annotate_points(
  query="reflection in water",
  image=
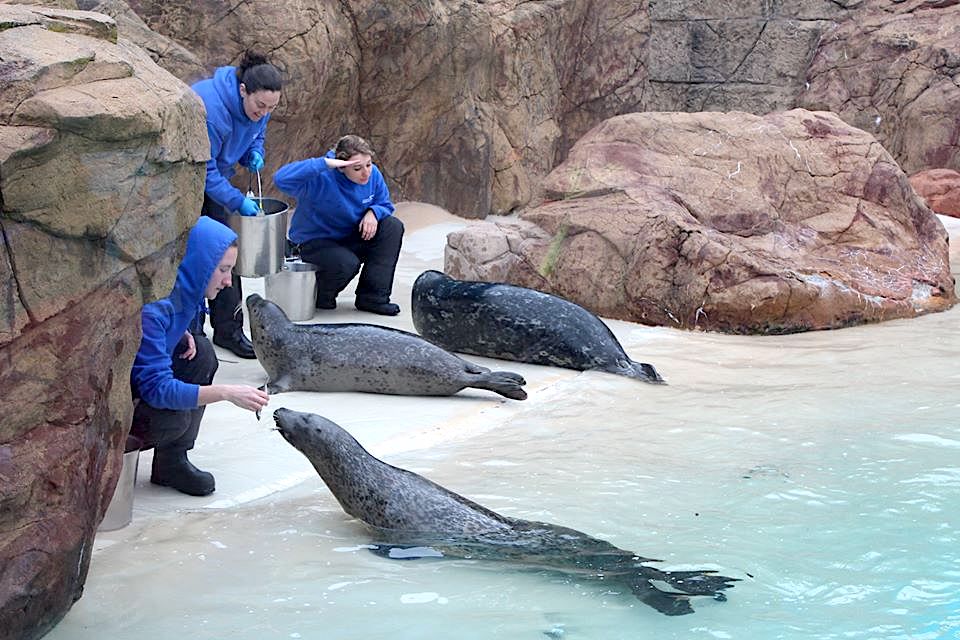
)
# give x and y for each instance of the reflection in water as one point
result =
(824, 465)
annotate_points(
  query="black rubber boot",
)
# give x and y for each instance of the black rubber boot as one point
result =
(173, 469)
(235, 342)
(380, 308)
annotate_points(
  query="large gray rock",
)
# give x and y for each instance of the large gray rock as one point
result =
(724, 221)
(724, 55)
(101, 173)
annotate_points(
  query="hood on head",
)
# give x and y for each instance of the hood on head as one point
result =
(206, 244)
(228, 88)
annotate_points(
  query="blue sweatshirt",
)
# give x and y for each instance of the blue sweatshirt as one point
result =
(232, 134)
(165, 321)
(329, 205)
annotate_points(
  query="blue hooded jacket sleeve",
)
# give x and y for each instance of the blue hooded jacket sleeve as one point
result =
(329, 205)
(233, 135)
(165, 321)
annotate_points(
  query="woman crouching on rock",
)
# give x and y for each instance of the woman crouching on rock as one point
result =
(172, 376)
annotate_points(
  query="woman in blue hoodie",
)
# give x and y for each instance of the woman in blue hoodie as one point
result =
(239, 101)
(172, 375)
(344, 219)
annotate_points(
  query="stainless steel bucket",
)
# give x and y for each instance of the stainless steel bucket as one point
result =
(262, 239)
(294, 289)
(120, 510)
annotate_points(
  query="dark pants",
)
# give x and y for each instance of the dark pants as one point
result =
(226, 318)
(338, 261)
(176, 430)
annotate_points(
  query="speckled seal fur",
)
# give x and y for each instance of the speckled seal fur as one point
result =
(411, 516)
(362, 357)
(515, 323)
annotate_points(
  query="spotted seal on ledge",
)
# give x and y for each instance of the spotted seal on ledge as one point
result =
(508, 322)
(411, 516)
(362, 357)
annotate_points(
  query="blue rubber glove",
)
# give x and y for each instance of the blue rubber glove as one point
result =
(248, 207)
(255, 162)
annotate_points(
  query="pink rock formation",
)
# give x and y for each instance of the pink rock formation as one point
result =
(888, 69)
(724, 221)
(940, 188)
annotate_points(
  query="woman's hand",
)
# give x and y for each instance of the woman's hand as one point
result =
(191, 349)
(368, 225)
(337, 163)
(244, 396)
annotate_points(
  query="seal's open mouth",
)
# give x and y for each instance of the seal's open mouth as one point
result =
(277, 417)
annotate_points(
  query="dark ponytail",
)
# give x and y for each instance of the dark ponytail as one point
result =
(256, 74)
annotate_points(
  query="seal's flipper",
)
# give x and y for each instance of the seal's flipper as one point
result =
(507, 384)
(671, 604)
(473, 367)
(698, 583)
(279, 385)
(646, 372)
(397, 552)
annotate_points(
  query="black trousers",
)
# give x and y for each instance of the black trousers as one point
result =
(338, 261)
(226, 315)
(176, 430)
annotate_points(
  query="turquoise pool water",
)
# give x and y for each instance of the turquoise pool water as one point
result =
(823, 468)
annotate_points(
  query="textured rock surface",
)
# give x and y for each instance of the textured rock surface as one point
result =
(940, 188)
(468, 104)
(726, 55)
(101, 174)
(728, 222)
(891, 71)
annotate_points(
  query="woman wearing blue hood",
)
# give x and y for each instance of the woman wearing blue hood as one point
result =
(172, 375)
(344, 219)
(239, 101)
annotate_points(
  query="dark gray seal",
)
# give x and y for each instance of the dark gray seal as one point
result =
(362, 357)
(413, 517)
(515, 323)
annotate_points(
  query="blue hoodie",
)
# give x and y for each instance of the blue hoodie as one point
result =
(329, 205)
(165, 321)
(232, 134)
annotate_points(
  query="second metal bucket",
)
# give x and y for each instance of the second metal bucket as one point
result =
(120, 510)
(294, 289)
(262, 239)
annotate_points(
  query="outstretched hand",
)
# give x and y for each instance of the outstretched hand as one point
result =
(245, 397)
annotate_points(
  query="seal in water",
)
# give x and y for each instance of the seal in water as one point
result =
(413, 517)
(515, 323)
(362, 357)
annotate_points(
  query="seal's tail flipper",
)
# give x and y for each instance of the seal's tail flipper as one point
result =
(671, 604)
(699, 583)
(398, 552)
(509, 385)
(646, 372)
